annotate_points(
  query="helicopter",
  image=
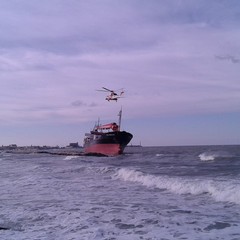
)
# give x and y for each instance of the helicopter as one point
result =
(113, 96)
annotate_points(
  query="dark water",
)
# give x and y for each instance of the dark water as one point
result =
(147, 193)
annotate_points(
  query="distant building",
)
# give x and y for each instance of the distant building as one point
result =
(73, 145)
(9, 147)
(12, 146)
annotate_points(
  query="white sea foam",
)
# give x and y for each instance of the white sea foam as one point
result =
(70, 157)
(207, 156)
(80, 200)
(211, 156)
(159, 155)
(226, 192)
(219, 190)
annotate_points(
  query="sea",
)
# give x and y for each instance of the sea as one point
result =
(162, 193)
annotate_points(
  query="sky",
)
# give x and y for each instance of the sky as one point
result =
(177, 60)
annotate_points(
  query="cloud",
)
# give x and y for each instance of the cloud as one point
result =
(79, 103)
(90, 26)
(228, 58)
(159, 51)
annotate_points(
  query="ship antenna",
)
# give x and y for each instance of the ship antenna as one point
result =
(120, 119)
(97, 124)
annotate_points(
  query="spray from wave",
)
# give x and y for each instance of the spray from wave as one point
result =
(70, 157)
(219, 190)
(211, 156)
(207, 156)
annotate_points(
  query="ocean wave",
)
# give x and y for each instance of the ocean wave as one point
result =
(159, 155)
(219, 190)
(70, 157)
(207, 156)
(104, 170)
(211, 156)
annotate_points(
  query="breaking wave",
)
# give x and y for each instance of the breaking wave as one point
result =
(159, 155)
(70, 157)
(207, 156)
(211, 156)
(220, 191)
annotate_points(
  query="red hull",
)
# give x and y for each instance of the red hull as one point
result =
(104, 149)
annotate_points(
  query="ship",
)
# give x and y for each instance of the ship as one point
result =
(106, 140)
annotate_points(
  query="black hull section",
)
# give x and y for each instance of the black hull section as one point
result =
(122, 138)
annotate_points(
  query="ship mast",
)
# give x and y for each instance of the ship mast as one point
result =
(120, 119)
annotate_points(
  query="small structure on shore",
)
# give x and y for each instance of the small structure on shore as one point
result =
(73, 145)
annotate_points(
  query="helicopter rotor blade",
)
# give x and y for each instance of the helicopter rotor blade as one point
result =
(101, 90)
(107, 89)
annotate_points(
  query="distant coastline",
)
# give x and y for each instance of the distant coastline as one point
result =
(53, 150)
